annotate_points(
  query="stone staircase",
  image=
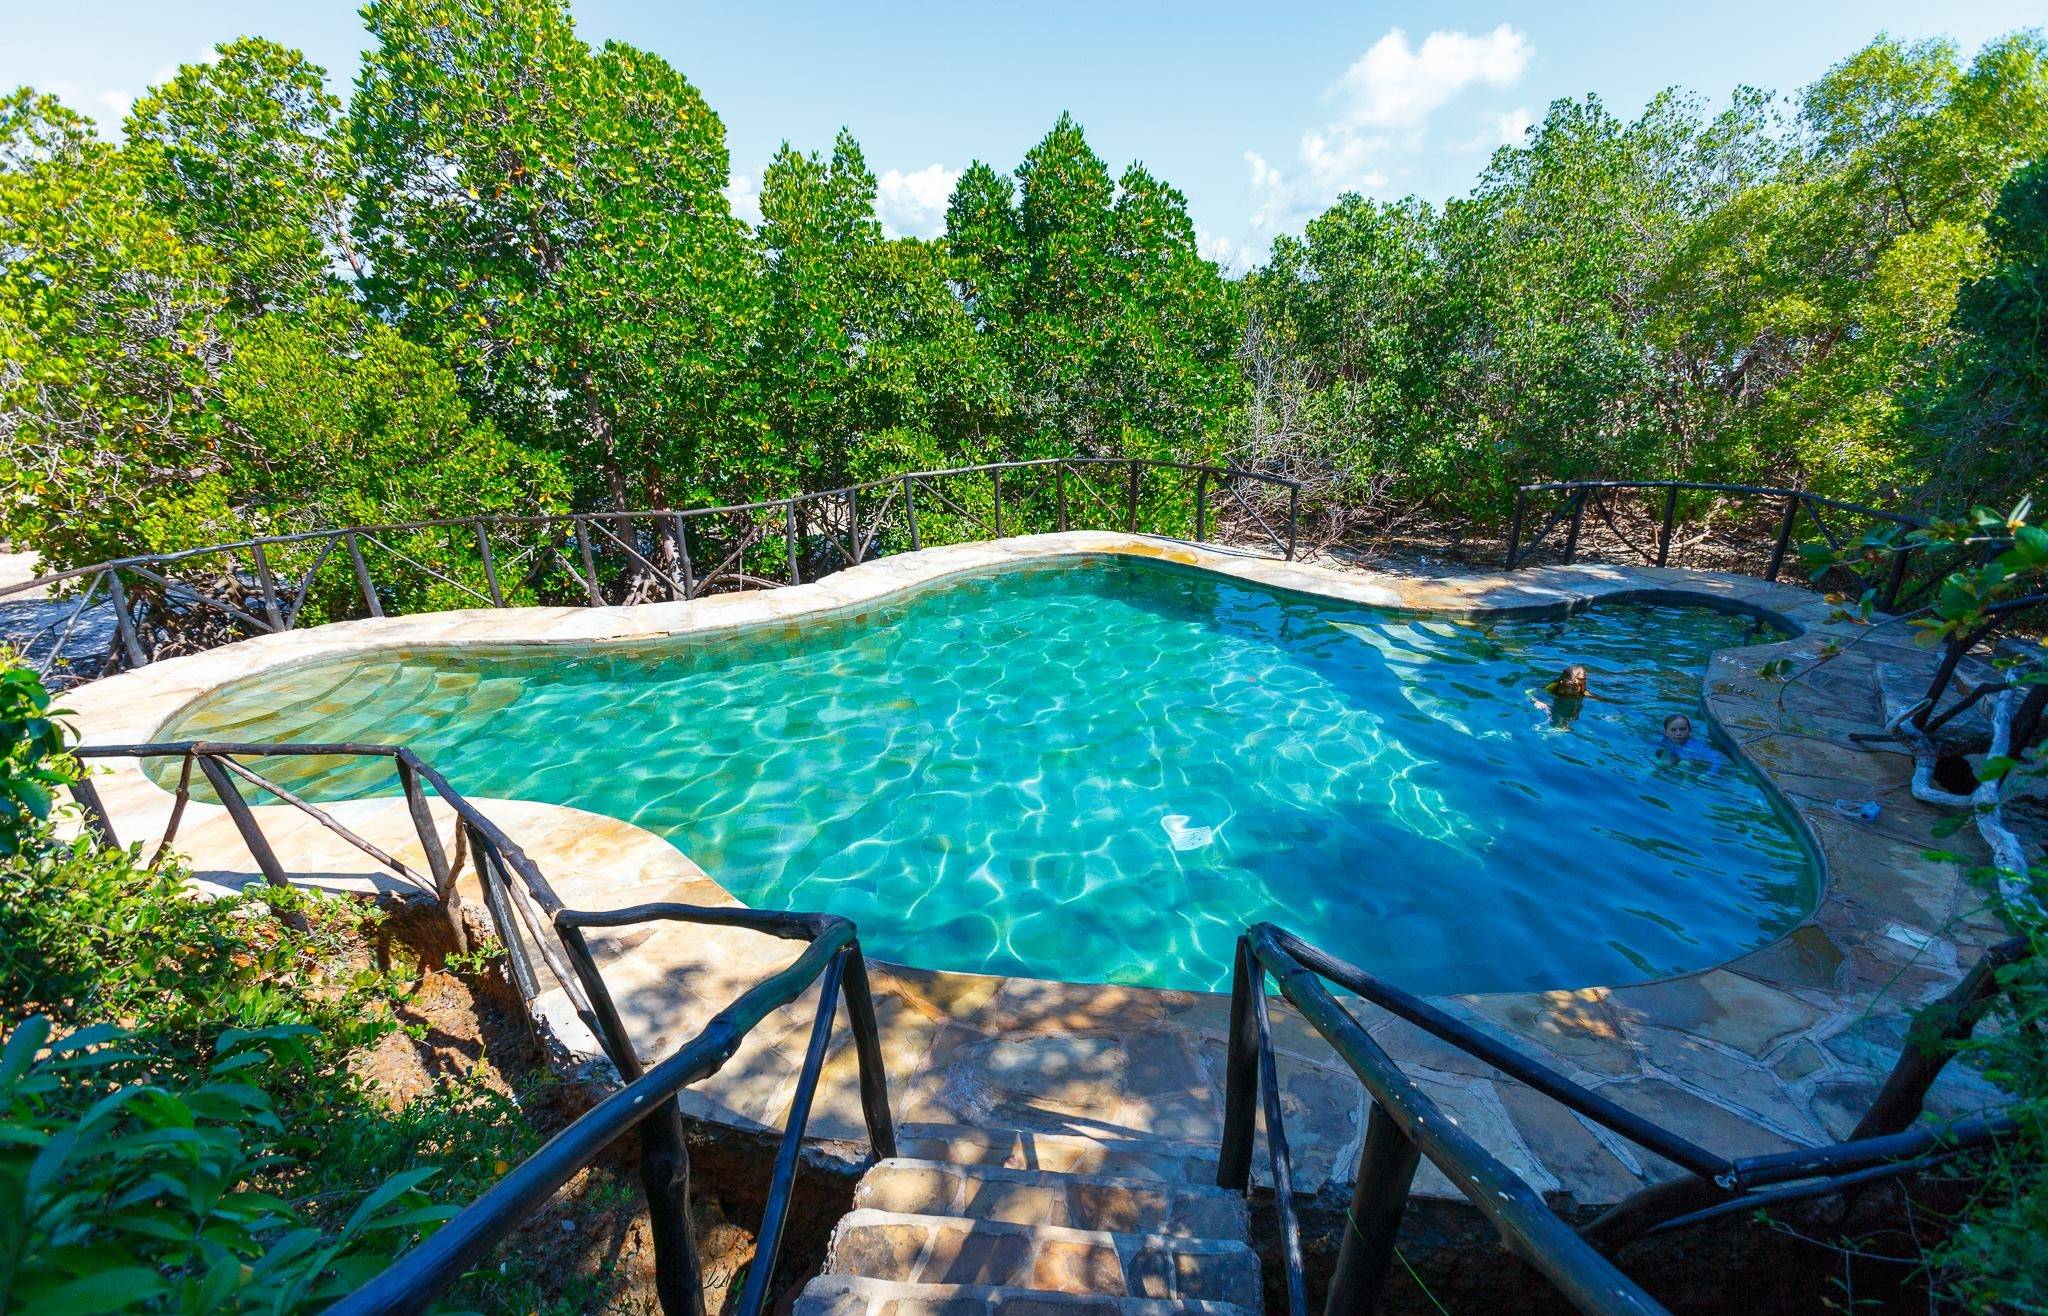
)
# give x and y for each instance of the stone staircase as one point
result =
(978, 1222)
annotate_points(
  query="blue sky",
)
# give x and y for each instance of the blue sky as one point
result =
(1260, 114)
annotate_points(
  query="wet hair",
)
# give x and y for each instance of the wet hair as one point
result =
(1574, 675)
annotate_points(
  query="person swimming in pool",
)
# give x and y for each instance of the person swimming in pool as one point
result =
(1678, 745)
(1568, 695)
(1569, 684)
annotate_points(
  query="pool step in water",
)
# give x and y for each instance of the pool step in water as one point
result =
(975, 1222)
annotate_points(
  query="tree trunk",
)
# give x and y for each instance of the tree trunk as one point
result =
(598, 422)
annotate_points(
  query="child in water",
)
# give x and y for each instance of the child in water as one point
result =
(1568, 695)
(1570, 683)
(1678, 746)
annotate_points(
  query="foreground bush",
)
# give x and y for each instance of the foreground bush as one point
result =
(1997, 1258)
(183, 1127)
(125, 1189)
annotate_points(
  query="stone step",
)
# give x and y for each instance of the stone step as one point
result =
(852, 1295)
(956, 1250)
(1042, 1197)
(1061, 1153)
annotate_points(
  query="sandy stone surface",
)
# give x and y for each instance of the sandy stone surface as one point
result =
(1781, 1047)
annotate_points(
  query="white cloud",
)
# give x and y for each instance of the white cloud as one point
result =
(1328, 162)
(1497, 130)
(1339, 161)
(914, 205)
(744, 197)
(116, 105)
(1231, 257)
(1263, 174)
(1394, 85)
(1381, 108)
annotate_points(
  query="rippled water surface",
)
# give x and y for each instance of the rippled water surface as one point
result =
(1103, 770)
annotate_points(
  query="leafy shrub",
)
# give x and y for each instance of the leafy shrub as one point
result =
(31, 755)
(1997, 1257)
(89, 935)
(124, 1189)
(180, 1126)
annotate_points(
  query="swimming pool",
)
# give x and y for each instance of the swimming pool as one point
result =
(1102, 769)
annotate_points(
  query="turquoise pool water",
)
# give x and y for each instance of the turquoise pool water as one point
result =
(1102, 770)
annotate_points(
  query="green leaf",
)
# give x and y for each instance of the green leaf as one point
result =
(386, 1193)
(22, 1045)
(112, 1290)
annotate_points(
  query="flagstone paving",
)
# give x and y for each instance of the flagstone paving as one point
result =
(1777, 1048)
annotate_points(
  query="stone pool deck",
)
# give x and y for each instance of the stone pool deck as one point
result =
(1781, 1047)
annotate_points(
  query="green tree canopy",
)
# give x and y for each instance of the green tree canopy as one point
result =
(112, 334)
(1986, 434)
(550, 219)
(1114, 333)
(867, 361)
(243, 156)
(184, 362)
(1751, 296)
(265, 310)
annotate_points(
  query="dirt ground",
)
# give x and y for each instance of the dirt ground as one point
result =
(589, 1249)
(1624, 535)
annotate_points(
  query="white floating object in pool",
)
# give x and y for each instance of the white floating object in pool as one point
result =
(1183, 836)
